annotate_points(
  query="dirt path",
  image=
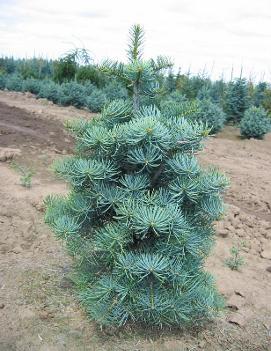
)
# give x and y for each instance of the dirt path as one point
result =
(38, 310)
(41, 107)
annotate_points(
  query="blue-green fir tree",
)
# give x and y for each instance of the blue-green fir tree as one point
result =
(259, 93)
(211, 114)
(170, 82)
(255, 123)
(139, 215)
(236, 99)
(213, 91)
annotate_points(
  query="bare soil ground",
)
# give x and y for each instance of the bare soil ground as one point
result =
(37, 305)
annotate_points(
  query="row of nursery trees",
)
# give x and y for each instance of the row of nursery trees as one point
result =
(139, 216)
(75, 80)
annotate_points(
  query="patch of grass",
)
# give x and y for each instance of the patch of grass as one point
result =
(26, 174)
(235, 261)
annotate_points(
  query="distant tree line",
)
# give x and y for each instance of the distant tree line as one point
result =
(74, 79)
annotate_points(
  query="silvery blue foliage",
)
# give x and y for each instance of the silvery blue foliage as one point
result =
(211, 114)
(14, 82)
(96, 100)
(139, 215)
(255, 123)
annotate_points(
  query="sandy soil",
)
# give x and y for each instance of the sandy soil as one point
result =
(37, 306)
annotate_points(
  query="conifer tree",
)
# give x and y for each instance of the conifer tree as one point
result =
(266, 103)
(138, 218)
(255, 123)
(170, 82)
(236, 100)
(259, 93)
(214, 91)
(211, 114)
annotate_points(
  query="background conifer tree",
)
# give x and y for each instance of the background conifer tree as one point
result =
(211, 114)
(139, 215)
(237, 99)
(255, 123)
(259, 93)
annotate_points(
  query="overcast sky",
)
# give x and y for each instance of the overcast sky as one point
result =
(215, 34)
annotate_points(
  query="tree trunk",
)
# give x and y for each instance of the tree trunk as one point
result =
(136, 96)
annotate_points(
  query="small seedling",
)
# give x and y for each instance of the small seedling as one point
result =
(26, 174)
(235, 261)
